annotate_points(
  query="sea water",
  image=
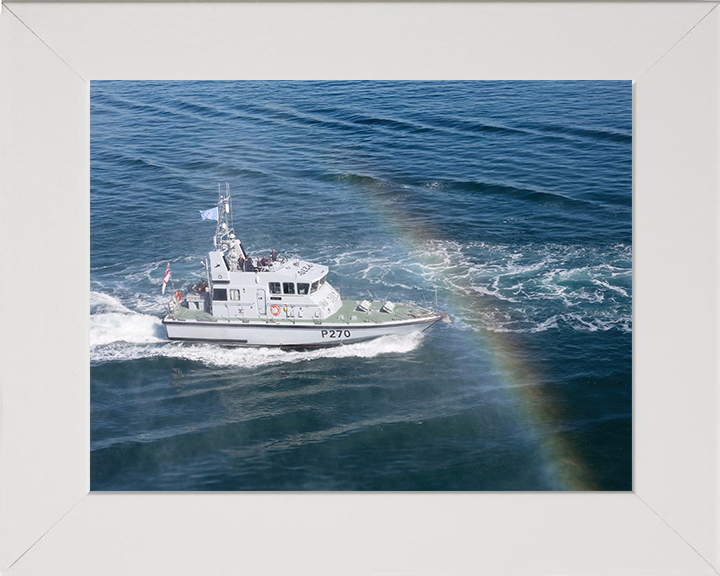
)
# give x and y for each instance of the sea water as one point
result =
(508, 202)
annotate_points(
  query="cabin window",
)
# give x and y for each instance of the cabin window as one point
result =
(321, 282)
(303, 288)
(274, 287)
(288, 287)
(234, 294)
(314, 287)
(220, 294)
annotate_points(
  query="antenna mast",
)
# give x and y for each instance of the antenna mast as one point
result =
(224, 232)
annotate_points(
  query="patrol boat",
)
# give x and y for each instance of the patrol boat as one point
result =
(287, 302)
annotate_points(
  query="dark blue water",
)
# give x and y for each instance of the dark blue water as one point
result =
(512, 198)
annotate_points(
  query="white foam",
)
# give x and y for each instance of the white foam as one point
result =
(240, 357)
(523, 327)
(522, 280)
(100, 302)
(609, 286)
(155, 304)
(494, 293)
(131, 327)
(548, 324)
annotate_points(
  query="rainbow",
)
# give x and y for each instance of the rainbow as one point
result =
(527, 389)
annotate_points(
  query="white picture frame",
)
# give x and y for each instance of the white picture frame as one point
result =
(50, 523)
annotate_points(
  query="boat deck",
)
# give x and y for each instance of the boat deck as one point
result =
(347, 314)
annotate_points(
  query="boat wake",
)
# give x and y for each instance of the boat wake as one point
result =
(117, 327)
(506, 288)
(112, 322)
(240, 357)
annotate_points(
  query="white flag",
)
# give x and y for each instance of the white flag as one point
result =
(211, 214)
(166, 278)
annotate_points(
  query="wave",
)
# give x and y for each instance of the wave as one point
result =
(357, 180)
(105, 303)
(575, 322)
(391, 124)
(516, 192)
(111, 321)
(134, 328)
(447, 187)
(581, 132)
(281, 116)
(129, 162)
(472, 127)
(203, 110)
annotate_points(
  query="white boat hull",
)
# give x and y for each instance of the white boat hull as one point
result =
(288, 335)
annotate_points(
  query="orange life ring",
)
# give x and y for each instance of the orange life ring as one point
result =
(178, 295)
(275, 309)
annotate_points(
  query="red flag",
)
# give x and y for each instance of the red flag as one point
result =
(166, 278)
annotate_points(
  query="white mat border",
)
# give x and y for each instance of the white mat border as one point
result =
(51, 41)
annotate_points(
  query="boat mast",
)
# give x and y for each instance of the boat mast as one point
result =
(224, 233)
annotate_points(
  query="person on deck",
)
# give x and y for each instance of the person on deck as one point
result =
(273, 256)
(249, 264)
